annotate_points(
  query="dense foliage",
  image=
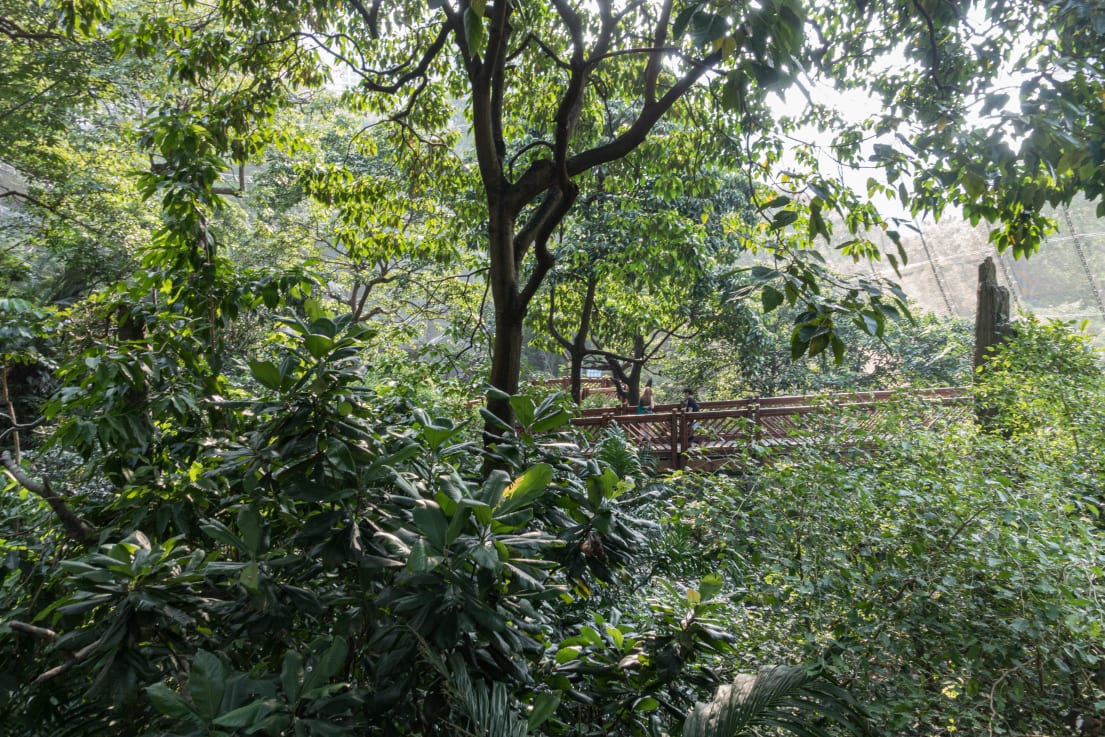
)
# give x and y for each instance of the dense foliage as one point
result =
(244, 496)
(310, 557)
(950, 577)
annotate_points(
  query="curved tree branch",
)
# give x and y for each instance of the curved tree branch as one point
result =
(77, 528)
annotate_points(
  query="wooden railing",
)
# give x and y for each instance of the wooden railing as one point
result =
(729, 433)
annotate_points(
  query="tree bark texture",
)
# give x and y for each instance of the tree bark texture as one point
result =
(992, 327)
(992, 322)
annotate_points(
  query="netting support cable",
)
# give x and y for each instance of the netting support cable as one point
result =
(1081, 251)
(1011, 278)
(936, 273)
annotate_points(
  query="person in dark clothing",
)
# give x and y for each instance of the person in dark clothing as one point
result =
(690, 405)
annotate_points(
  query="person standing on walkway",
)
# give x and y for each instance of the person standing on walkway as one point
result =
(690, 405)
(646, 404)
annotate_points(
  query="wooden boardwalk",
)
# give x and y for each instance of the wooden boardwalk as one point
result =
(729, 434)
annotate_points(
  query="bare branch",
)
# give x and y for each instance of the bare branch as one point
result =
(655, 61)
(52, 209)
(16, 32)
(29, 629)
(78, 657)
(933, 48)
(77, 528)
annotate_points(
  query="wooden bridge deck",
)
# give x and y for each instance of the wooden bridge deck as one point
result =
(727, 434)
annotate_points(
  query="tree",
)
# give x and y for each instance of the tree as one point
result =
(535, 80)
(582, 59)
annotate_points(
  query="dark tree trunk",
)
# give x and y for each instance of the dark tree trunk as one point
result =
(992, 327)
(630, 374)
(577, 351)
(992, 323)
(506, 354)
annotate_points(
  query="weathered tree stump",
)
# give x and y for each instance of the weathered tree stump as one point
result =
(992, 327)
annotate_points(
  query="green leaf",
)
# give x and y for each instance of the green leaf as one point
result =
(771, 298)
(418, 561)
(291, 675)
(783, 218)
(493, 420)
(206, 684)
(474, 31)
(601, 486)
(526, 488)
(169, 702)
(266, 373)
(318, 345)
(566, 654)
(544, 706)
(710, 585)
(431, 523)
(557, 419)
(248, 576)
(220, 533)
(707, 28)
(872, 324)
(818, 343)
(679, 27)
(797, 344)
(246, 716)
(492, 490)
(523, 410)
(251, 526)
(329, 665)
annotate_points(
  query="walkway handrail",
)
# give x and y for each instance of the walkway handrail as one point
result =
(723, 430)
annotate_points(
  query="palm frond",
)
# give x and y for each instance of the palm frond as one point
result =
(780, 698)
(489, 708)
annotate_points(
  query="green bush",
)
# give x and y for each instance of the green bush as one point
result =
(308, 555)
(950, 578)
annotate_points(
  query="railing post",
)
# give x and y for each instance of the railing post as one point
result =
(680, 437)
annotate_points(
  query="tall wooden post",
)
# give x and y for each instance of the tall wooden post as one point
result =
(992, 324)
(992, 317)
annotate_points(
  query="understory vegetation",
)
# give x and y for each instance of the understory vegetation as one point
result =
(275, 281)
(319, 554)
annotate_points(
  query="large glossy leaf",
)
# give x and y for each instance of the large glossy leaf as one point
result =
(206, 683)
(525, 489)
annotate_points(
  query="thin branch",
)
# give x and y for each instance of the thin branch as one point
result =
(29, 629)
(16, 32)
(532, 37)
(561, 204)
(564, 342)
(371, 17)
(52, 209)
(78, 657)
(652, 70)
(933, 48)
(527, 147)
(30, 99)
(20, 427)
(419, 71)
(76, 527)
